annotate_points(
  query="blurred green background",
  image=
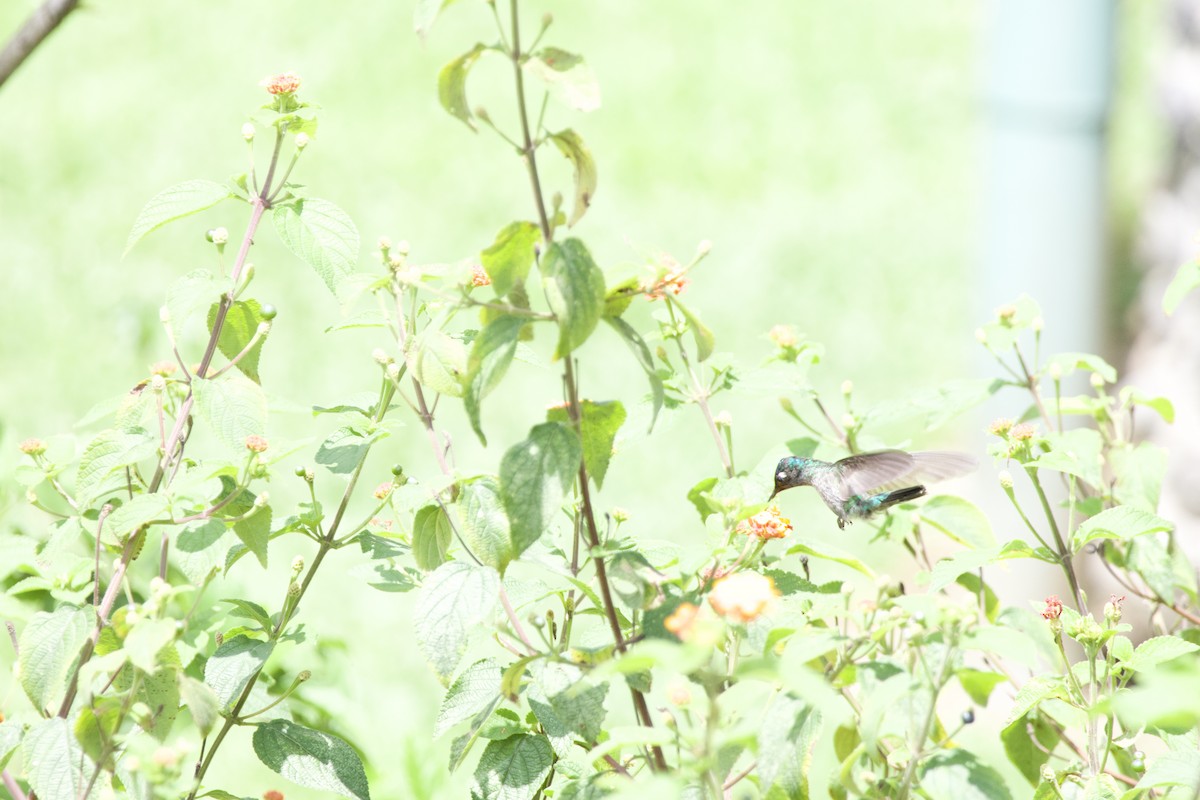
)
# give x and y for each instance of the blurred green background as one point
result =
(827, 149)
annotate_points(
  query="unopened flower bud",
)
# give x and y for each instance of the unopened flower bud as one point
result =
(381, 357)
(32, 447)
(158, 586)
(679, 693)
(217, 236)
(848, 421)
(482, 113)
(303, 675)
(847, 387)
(301, 140)
(981, 335)
(547, 18)
(385, 243)
(1055, 372)
(264, 328)
(1006, 480)
(704, 248)
(1047, 773)
(1112, 609)
(219, 638)
(164, 314)
(293, 590)
(309, 475)
(256, 443)
(1005, 313)
(298, 565)
(723, 420)
(1097, 380)
(537, 621)
(402, 247)
(1037, 323)
(557, 199)
(262, 499)
(620, 515)
(248, 131)
(393, 371)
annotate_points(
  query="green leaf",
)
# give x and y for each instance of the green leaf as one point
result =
(431, 537)
(110, 451)
(179, 201)
(1131, 395)
(483, 523)
(786, 738)
(1158, 649)
(599, 423)
(508, 259)
(452, 85)
(979, 684)
(574, 288)
(1175, 768)
(57, 767)
(190, 295)
(1076, 452)
(310, 758)
(131, 515)
(426, 13)
(1122, 523)
(959, 519)
(250, 610)
(491, 353)
(438, 361)
(472, 692)
(201, 702)
(1069, 362)
(200, 550)
(1186, 279)
(1139, 472)
(512, 768)
(960, 775)
(457, 598)
(534, 476)
(567, 707)
(642, 353)
(145, 640)
(160, 693)
(571, 145)
(320, 234)
(49, 646)
(241, 323)
(1042, 687)
(255, 532)
(830, 553)
(236, 661)
(11, 732)
(705, 342)
(1026, 754)
(346, 448)
(568, 79)
(232, 408)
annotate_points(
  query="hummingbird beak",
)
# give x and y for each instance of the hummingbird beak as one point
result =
(773, 493)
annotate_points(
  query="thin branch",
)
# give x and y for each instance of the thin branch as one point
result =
(40, 24)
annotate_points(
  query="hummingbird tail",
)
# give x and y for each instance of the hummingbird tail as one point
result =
(901, 496)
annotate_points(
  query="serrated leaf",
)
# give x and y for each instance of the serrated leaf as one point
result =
(160, 693)
(960, 775)
(959, 519)
(57, 768)
(346, 448)
(1076, 452)
(1158, 649)
(491, 354)
(512, 768)
(145, 639)
(1175, 768)
(1121, 523)
(1131, 395)
(310, 758)
(49, 646)
(472, 692)
(979, 684)
(599, 424)
(109, 451)
(483, 523)
(231, 667)
(131, 515)
(508, 259)
(786, 737)
(569, 79)
(202, 703)
(232, 408)
(438, 361)
(1028, 753)
(190, 295)
(1139, 471)
(241, 323)
(1069, 362)
(705, 341)
(566, 706)
(431, 537)
(1037, 689)
(174, 203)
(574, 288)
(456, 598)
(255, 532)
(452, 85)
(534, 476)
(642, 354)
(1185, 280)
(250, 610)
(571, 145)
(322, 235)
(199, 550)
(11, 733)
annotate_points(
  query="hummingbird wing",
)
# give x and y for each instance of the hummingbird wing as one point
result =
(892, 469)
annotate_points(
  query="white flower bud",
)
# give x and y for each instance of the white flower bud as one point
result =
(1006, 479)
(385, 243)
(724, 419)
(164, 314)
(248, 131)
(220, 235)
(264, 328)
(393, 370)
(158, 383)
(301, 140)
(1097, 380)
(981, 335)
(262, 499)
(1055, 372)
(848, 421)
(704, 248)
(1037, 323)
(381, 357)
(847, 387)
(298, 564)
(402, 247)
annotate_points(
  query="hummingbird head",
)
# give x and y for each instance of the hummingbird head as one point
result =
(791, 471)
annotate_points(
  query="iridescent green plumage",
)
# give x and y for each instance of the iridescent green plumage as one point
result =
(860, 485)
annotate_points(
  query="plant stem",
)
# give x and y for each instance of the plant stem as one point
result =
(919, 744)
(700, 395)
(1064, 554)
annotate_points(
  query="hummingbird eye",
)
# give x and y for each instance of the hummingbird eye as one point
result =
(782, 476)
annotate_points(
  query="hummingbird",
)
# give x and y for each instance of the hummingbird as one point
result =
(860, 485)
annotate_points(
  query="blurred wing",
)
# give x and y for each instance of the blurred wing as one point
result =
(940, 465)
(862, 473)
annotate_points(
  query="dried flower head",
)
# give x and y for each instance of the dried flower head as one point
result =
(256, 443)
(1053, 609)
(1006, 313)
(283, 83)
(1000, 426)
(766, 524)
(1023, 432)
(743, 596)
(163, 368)
(681, 621)
(783, 336)
(674, 281)
(383, 490)
(1112, 609)
(479, 276)
(32, 447)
